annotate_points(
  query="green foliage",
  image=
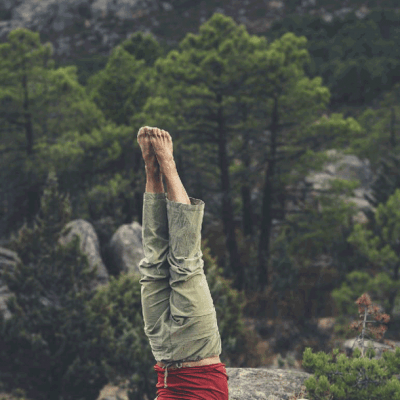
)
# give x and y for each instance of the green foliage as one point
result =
(380, 245)
(358, 282)
(378, 141)
(117, 309)
(121, 89)
(97, 169)
(304, 237)
(357, 59)
(387, 179)
(218, 88)
(29, 83)
(339, 377)
(88, 65)
(48, 347)
(238, 342)
(358, 377)
(38, 105)
(143, 47)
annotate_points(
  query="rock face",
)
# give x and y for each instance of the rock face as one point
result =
(126, 248)
(77, 28)
(265, 384)
(89, 245)
(348, 167)
(350, 344)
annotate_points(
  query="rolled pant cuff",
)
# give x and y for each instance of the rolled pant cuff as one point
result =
(185, 223)
(155, 237)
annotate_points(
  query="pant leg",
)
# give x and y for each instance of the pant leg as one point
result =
(194, 331)
(154, 269)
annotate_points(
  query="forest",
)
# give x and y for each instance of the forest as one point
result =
(250, 117)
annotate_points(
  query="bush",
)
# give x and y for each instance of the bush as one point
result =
(117, 308)
(359, 377)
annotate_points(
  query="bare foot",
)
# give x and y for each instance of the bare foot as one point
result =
(163, 147)
(148, 153)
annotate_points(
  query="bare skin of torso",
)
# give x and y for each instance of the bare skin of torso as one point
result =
(204, 361)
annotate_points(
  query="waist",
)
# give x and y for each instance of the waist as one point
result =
(204, 361)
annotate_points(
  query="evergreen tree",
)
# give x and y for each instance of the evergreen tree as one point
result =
(380, 243)
(143, 47)
(122, 87)
(242, 98)
(47, 346)
(38, 104)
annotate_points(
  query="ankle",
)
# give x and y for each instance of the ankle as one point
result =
(152, 169)
(154, 183)
(168, 168)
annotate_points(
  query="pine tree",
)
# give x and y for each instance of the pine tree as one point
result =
(46, 347)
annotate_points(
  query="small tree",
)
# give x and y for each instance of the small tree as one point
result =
(365, 308)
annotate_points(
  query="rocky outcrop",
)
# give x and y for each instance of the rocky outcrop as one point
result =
(351, 344)
(82, 27)
(265, 384)
(89, 244)
(126, 248)
(348, 167)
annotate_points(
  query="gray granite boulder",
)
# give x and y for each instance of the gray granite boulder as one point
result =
(266, 384)
(342, 166)
(8, 261)
(89, 245)
(126, 248)
(350, 344)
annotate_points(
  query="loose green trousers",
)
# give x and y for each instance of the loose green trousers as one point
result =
(178, 311)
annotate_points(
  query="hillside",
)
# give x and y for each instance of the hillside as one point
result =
(82, 28)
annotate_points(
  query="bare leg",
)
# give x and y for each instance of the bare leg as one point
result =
(162, 144)
(154, 183)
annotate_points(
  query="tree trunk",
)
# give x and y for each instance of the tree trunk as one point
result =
(32, 191)
(27, 117)
(227, 209)
(392, 129)
(393, 293)
(200, 190)
(247, 213)
(181, 168)
(266, 208)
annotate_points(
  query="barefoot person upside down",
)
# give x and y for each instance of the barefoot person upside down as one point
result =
(178, 311)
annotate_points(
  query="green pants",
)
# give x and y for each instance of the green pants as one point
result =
(178, 311)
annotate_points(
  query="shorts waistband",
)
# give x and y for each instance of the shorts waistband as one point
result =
(171, 366)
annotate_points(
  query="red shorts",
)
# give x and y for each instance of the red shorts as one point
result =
(207, 382)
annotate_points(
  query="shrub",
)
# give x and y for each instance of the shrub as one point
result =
(359, 376)
(117, 309)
